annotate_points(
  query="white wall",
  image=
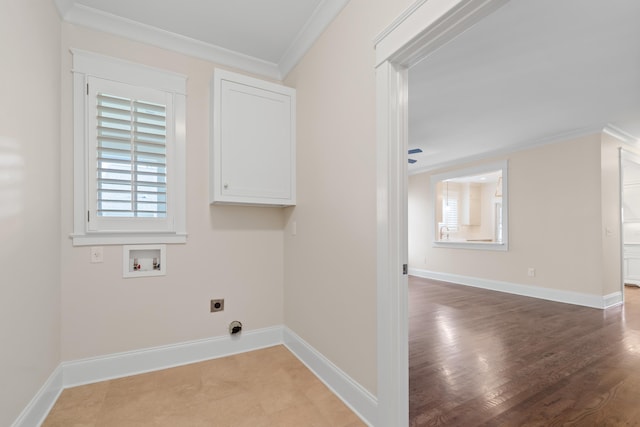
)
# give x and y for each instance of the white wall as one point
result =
(330, 265)
(556, 222)
(29, 201)
(235, 253)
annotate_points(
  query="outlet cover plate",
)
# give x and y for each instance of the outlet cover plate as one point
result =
(217, 305)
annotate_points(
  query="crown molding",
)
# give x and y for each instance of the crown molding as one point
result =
(398, 21)
(609, 129)
(324, 14)
(621, 135)
(116, 25)
(526, 145)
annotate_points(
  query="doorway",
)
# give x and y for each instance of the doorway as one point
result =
(425, 26)
(630, 218)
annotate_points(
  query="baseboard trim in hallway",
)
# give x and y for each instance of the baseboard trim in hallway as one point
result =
(118, 365)
(577, 298)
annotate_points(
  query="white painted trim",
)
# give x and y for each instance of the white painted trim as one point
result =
(356, 397)
(102, 368)
(503, 166)
(396, 22)
(418, 32)
(324, 14)
(425, 28)
(622, 135)
(38, 408)
(88, 64)
(613, 299)
(133, 73)
(98, 20)
(623, 262)
(568, 297)
(127, 239)
(392, 290)
(561, 137)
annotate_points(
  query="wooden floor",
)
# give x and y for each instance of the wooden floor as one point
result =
(267, 387)
(483, 358)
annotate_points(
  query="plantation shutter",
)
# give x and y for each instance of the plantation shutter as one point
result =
(131, 157)
(450, 211)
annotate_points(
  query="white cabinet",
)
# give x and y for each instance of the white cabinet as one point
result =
(252, 141)
(631, 202)
(632, 264)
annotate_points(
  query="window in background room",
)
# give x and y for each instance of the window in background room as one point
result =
(471, 208)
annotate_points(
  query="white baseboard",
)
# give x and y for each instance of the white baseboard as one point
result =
(102, 368)
(36, 411)
(356, 397)
(569, 297)
(612, 299)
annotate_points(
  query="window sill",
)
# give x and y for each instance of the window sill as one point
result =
(127, 239)
(488, 246)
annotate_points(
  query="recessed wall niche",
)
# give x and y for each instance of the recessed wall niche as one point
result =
(144, 261)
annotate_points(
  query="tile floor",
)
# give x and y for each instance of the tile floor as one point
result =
(268, 387)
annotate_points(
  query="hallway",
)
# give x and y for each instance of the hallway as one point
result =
(478, 357)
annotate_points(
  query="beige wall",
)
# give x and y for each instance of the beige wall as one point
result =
(234, 253)
(556, 222)
(29, 201)
(330, 265)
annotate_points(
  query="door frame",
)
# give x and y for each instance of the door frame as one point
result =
(420, 30)
(624, 155)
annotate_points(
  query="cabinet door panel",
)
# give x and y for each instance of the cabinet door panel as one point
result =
(631, 203)
(256, 142)
(253, 141)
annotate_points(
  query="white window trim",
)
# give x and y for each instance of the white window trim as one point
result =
(476, 170)
(87, 64)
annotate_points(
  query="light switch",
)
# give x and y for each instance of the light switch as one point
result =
(294, 228)
(97, 254)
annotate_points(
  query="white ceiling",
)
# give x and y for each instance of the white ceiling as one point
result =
(530, 73)
(266, 37)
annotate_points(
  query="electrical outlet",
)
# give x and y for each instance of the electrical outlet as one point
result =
(97, 254)
(217, 305)
(531, 272)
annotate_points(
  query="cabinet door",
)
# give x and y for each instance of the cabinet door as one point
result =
(254, 142)
(631, 202)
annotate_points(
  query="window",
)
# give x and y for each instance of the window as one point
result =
(129, 146)
(471, 207)
(450, 210)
